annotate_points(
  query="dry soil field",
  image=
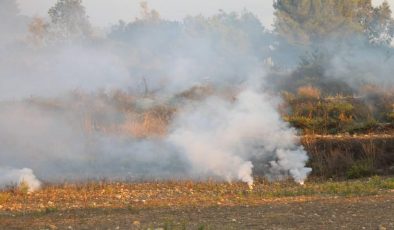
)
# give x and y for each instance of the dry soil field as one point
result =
(357, 204)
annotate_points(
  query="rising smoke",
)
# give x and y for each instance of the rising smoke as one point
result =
(220, 135)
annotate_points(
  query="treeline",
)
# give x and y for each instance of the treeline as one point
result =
(316, 51)
(343, 81)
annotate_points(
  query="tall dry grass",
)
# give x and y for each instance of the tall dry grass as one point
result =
(350, 156)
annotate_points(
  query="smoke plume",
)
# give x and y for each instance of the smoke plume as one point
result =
(20, 177)
(60, 116)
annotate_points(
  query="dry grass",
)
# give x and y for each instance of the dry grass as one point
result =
(153, 123)
(309, 92)
(180, 194)
(350, 156)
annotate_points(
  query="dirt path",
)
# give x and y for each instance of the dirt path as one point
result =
(369, 212)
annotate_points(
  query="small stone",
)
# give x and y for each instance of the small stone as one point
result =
(381, 227)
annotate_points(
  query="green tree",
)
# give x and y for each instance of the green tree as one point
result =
(69, 19)
(305, 21)
(380, 26)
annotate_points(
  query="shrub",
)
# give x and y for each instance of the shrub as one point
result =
(4, 197)
(309, 92)
(390, 116)
(360, 169)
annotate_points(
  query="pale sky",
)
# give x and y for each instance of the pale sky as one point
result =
(107, 12)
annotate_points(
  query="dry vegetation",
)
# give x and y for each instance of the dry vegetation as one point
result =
(201, 205)
(314, 113)
(342, 135)
(178, 194)
(346, 156)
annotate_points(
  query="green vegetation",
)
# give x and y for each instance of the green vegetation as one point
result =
(310, 112)
(319, 98)
(308, 21)
(360, 169)
(370, 186)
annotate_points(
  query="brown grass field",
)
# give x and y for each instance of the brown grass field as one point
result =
(354, 204)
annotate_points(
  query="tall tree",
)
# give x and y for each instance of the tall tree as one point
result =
(380, 26)
(305, 21)
(69, 19)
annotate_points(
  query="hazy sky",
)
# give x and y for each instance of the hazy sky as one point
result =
(106, 12)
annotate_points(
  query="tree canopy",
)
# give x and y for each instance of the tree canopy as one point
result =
(306, 21)
(69, 18)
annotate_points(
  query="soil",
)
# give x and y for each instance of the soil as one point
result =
(366, 212)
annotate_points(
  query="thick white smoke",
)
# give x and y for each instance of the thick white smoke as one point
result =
(19, 177)
(225, 135)
(221, 137)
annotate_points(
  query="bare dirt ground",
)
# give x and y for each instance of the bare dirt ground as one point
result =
(367, 204)
(374, 212)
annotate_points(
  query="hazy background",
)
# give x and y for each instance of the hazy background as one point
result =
(103, 14)
(157, 99)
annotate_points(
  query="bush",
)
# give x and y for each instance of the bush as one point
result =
(309, 92)
(390, 116)
(359, 169)
(308, 111)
